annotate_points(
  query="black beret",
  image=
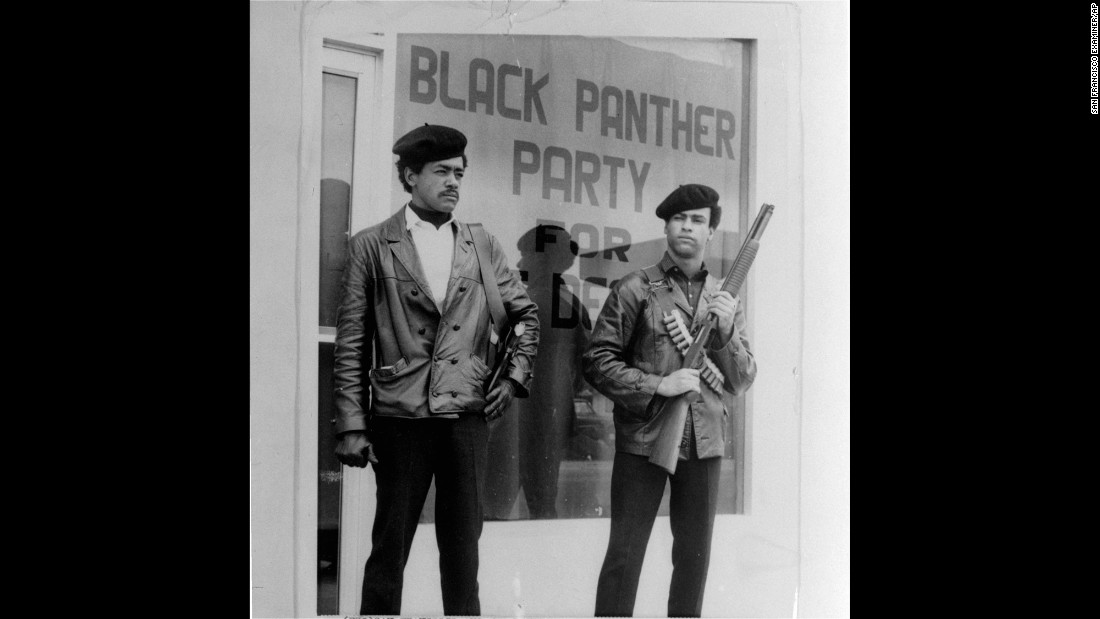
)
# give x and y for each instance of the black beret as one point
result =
(690, 197)
(430, 143)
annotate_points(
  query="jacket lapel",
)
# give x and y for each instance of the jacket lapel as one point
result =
(401, 244)
(460, 262)
(679, 299)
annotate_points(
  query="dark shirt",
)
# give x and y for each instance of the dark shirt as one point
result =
(692, 288)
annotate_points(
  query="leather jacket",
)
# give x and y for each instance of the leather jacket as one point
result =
(422, 363)
(630, 351)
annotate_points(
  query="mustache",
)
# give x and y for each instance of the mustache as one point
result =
(449, 193)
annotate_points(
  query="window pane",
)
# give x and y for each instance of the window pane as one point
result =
(336, 160)
(328, 488)
(338, 140)
(573, 142)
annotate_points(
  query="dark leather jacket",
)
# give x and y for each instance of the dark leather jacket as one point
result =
(631, 351)
(426, 364)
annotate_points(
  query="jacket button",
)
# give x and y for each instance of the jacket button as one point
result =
(416, 292)
(456, 327)
(454, 394)
(422, 330)
(454, 361)
(462, 289)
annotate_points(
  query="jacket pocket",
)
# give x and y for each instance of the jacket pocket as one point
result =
(399, 387)
(476, 370)
(463, 383)
(651, 409)
(387, 371)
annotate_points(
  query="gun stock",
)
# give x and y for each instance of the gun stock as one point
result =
(666, 449)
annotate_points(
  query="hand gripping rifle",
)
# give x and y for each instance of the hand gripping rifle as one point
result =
(666, 450)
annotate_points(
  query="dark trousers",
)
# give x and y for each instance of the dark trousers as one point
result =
(410, 452)
(636, 490)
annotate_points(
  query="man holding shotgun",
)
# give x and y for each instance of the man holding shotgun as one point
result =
(635, 358)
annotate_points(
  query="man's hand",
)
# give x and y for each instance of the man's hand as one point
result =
(354, 449)
(680, 381)
(499, 399)
(724, 306)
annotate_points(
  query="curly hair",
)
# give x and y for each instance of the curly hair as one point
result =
(416, 167)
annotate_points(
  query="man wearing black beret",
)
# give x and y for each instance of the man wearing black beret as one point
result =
(634, 361)
(414, 346)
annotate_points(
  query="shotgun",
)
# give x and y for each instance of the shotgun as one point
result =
(666, 450)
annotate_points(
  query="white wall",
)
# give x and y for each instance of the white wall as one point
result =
(825, 527)
(275, 118)
(792, 538)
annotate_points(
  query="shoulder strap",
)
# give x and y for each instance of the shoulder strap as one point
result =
(488, 278)
(659, 287)
(653, 273)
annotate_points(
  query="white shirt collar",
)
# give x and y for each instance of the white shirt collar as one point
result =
(412, 219)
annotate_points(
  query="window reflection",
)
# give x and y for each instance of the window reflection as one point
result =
(338, 124)
(528, 445)
(550, 456)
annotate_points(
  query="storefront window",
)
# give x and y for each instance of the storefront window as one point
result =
(573, 142)
(338, 125)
